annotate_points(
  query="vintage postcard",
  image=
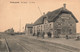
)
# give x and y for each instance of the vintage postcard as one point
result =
(39, 25)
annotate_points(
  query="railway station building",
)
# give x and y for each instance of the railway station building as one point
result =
(57, 22)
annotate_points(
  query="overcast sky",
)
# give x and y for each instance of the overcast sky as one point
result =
(10, 12)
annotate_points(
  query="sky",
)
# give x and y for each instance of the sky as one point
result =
(27, 11)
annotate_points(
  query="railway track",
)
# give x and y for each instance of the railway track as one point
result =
(3, 44)
(26, 46)
(26, 49)
(32, 45)
(58, 46)
(9, 49)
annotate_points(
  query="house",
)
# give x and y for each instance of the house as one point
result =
(58, 22)
(28, 28)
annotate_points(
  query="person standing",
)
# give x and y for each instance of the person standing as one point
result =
(43, 34)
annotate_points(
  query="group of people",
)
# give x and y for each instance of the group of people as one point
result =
(77, 38)
(43, 34)
(38, 34)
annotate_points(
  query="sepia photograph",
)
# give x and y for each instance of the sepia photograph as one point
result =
(39, 25)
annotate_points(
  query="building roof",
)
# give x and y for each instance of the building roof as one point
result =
(29, 25)
(52, 16)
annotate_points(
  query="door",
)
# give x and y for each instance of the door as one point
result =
(58, 32)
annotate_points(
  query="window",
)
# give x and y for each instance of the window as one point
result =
(59, 24)
(68, 17)
(63, 20)
(70, 31)
(50, 26)
(45, 21)
(41, 28)
(37, 27)
(62, 17)
(58, 31)
(65, 17)
(70, 24)
(34, 27)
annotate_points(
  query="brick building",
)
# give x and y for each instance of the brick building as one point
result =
(58, 22)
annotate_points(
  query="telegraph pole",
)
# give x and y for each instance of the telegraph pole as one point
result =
(39, 8)
(20, 25)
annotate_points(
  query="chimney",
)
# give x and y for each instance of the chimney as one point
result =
(64, 5)
(43, 13)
